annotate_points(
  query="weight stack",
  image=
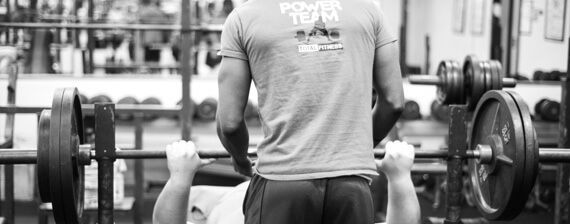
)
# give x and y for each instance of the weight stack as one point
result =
(192, 112)
(439, 112)
(102, 98)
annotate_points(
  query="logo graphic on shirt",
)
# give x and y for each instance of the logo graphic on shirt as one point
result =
(306, 13)
(319, 38)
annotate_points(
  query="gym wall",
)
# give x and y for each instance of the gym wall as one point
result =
(537, 53)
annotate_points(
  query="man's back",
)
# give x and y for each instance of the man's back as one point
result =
(311, 62)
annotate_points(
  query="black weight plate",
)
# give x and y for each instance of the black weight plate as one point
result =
(497, 75)
(77, 139)
(538, 75)
(43, 165)
(453, 83)
(100, 99)
(549, 110)
(439, 111)
(477, 77)
(194, 106)
(487, 76)
(443, 91)
(151, 101)
(538, 107)
(451, 88)
(54, 144)
(411, 110)
(498, 187)
(460, 82)
(128, 100)
(470, 67)
(531, 148)
(207, 109)
(72, 172)
(71, 186)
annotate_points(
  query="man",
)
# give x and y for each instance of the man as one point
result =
(223, 205)
(314, 104)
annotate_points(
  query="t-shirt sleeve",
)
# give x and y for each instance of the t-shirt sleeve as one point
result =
(383, 36)
(232, 38)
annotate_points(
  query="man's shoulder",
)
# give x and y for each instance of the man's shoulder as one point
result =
(244, 7)
(370, 5)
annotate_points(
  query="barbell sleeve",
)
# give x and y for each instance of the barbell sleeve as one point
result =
(424, 80)
(509, 82)
(18, 156)
(554, 155)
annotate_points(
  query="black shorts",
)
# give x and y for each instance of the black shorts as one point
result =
(338, 200)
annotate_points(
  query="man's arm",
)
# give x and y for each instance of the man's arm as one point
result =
(234, 81)
(172, 204)
(387, 82)
(403, 204)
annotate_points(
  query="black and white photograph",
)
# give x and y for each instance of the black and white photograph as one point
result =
(284, 112)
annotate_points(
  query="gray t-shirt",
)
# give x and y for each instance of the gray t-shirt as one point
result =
(311, 62)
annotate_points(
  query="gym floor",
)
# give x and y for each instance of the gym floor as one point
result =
(163, 131)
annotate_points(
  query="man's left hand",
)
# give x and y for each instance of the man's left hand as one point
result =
(243, 166)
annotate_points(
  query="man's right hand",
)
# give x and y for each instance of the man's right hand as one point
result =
(183, 160)
(243, 166)
(397, 161)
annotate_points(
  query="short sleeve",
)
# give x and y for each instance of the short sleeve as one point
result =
(232, 36)
(383, 36)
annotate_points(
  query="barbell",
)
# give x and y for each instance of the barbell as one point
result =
(465, 85)
(503, 155)
(111, 26)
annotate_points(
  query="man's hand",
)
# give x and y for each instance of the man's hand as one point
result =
(183, 160)
(398, 160)
(243, 166)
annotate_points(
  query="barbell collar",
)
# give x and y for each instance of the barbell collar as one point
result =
(424, 80)
(509, 82)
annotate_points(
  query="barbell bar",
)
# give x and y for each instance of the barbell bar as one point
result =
(30, 156)
(437, 81)
(111, 26)
(90, 109)
(465, 84)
